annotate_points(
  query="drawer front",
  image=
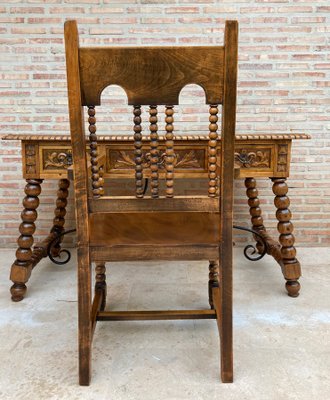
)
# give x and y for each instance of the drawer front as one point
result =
(189, 161)
(50, 160)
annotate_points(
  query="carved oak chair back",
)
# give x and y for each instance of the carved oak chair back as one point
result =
(162, 225)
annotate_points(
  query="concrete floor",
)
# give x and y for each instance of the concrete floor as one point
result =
(281, 349)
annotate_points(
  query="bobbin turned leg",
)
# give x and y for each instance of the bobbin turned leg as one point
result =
(100, 282)
(213, 279)
(22, 267)
(290, 265)
(60, 211)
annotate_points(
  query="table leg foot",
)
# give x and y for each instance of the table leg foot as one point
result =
(292, 288)
(18, 291)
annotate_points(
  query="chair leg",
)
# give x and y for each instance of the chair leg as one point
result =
(226, 323)
(84, 315)
(100, 282)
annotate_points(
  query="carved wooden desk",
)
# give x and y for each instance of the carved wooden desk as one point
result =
(49, 157)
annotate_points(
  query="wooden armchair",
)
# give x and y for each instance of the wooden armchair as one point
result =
(161, 226)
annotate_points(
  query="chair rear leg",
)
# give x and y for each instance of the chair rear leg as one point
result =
(84, 315)
(226, 322)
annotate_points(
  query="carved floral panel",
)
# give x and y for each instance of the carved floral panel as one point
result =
(185, 159)
(247, 157)
(56, 158)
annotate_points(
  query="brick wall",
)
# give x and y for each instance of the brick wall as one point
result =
(284, 71)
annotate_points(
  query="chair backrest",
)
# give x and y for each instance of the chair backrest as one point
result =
(152, 76)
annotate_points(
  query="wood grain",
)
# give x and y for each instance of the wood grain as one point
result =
(151, 75)
(123, 204)
(147, 228)
(226, 198)
(81, 200)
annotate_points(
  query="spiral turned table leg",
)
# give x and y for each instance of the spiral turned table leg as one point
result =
(22, 267)
(100, 282)
(213, 279)
(255, 210)
(290, 265)
(60, 212)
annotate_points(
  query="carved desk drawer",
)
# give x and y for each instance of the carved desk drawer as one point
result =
(255, 155)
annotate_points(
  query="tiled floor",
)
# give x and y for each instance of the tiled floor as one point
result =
(281, 348)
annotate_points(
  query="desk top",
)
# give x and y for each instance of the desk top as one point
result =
(130, 138)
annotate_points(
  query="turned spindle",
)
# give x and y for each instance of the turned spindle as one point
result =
(291, 266)
(138, 152)
(170, 156)
(212, 150)
(97, 183)
(154, 155)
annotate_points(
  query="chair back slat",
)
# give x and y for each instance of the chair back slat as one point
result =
(162, 72)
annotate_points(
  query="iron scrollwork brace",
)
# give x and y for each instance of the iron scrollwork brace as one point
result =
(56, 239)
(251, 247)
